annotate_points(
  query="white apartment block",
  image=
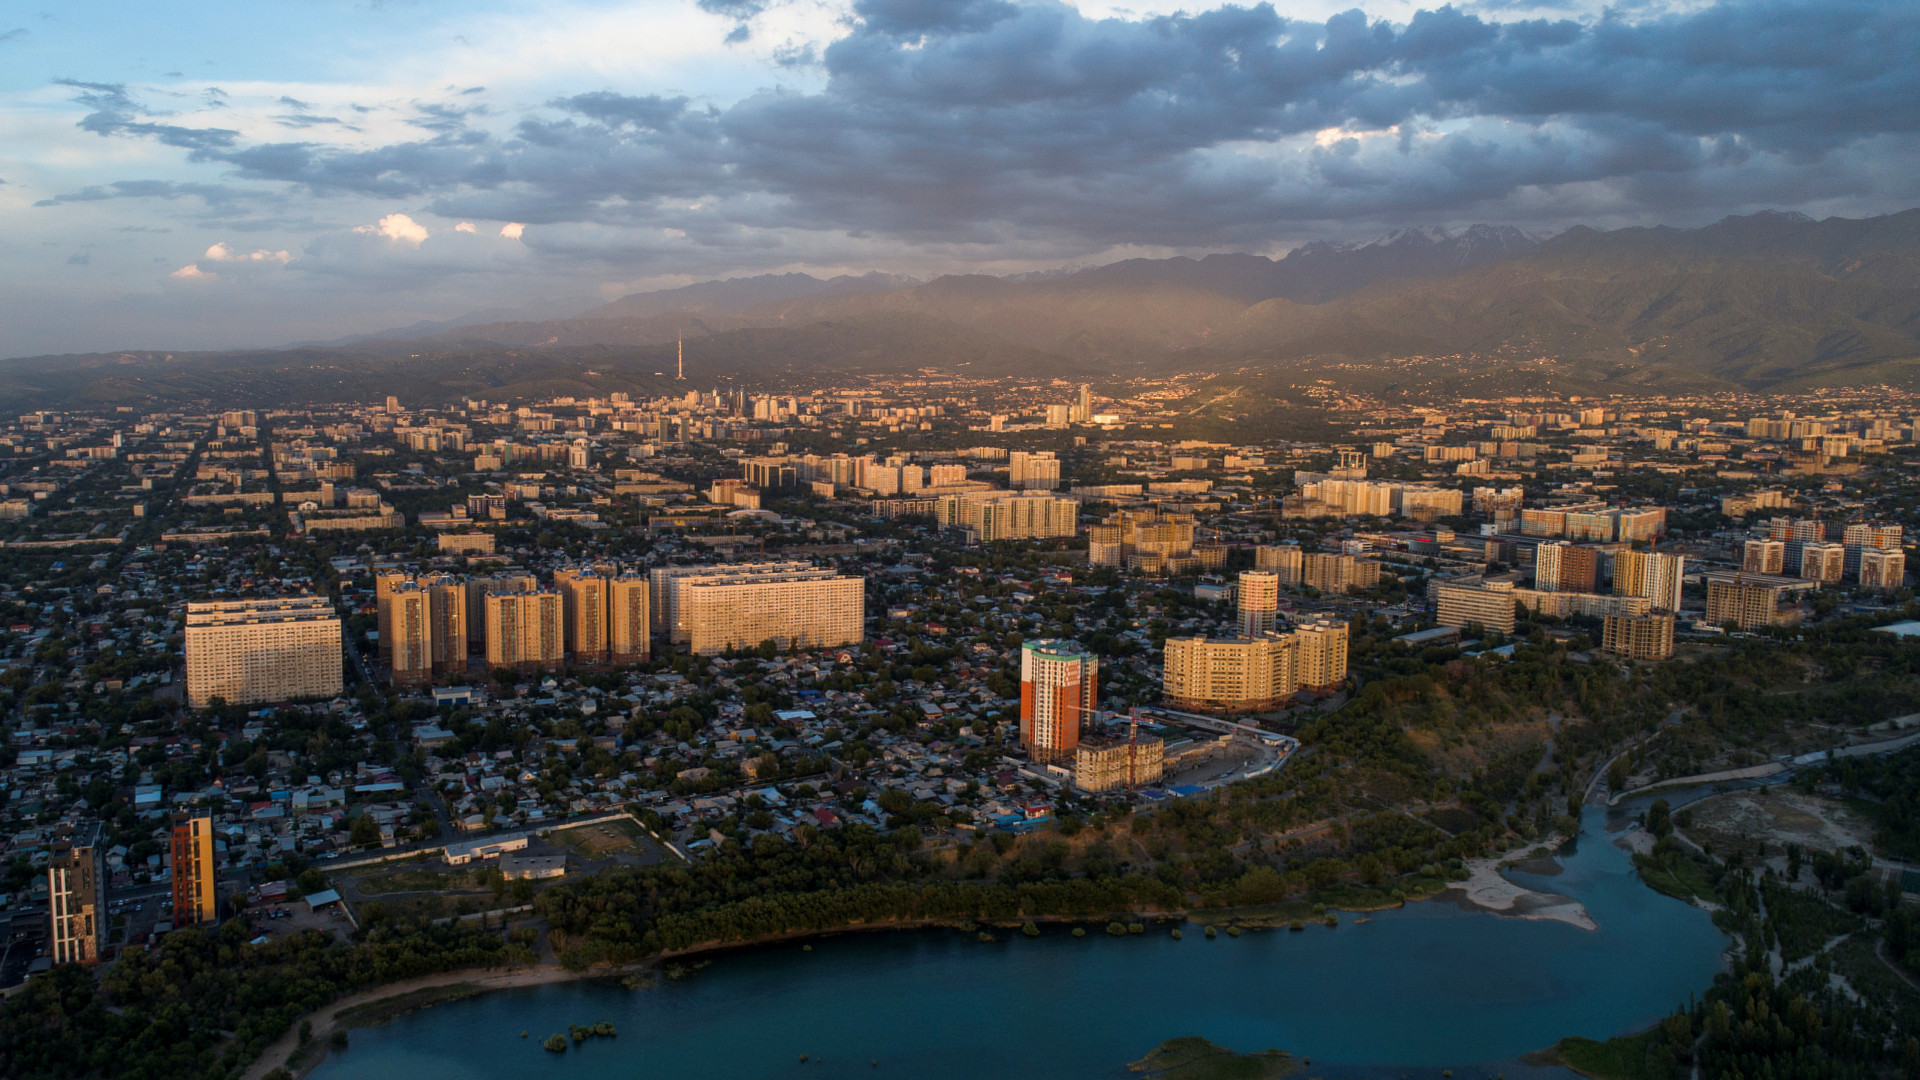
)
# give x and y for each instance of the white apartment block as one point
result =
(254, 651)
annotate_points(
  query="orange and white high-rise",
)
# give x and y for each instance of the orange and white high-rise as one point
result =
(1059, 686)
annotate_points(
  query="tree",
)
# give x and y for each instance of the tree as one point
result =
(365, 832)
(1659, 819)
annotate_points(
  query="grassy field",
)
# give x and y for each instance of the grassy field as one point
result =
(1682, 878)
(461, 879)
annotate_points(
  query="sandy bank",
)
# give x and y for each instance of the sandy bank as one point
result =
(1487, 890)
(326, 1018)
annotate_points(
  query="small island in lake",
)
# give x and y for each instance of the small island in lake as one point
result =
(1194, 1058)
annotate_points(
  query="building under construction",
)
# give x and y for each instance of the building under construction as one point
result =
(1107, 762)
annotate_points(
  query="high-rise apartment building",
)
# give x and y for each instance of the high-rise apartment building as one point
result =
(1781, 528)
(1564, 567)
(810, 609)
(1258, 602)
(77, 897)
(1083, 405)
(1763, 557)
(1487, 603)
(986, 516)
(1358, 497)
(1320, 659)
(1059, 686)
(384, 582)
(525, 630)
(478, 589)
(1334, 573)
(194, 873)
(448, 618)
(253, 651)
(1256, 673)
(1823, 562)
(1883, 570)
(583, 594)
(1285, 560)
(663, 596)
(1747, 605)
(1638, 637)
(945, 475)
(1650, 574)
(1865, 534)
(1145, 542)
(1038, 471)
(410, 625)
(1229, 674)
(1546, 565)
(629, 619)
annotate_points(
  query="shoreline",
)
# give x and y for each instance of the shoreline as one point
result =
(327, 1019)
(1487, 889)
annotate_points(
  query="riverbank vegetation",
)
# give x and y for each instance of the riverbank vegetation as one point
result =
(207, 1004)
(1435, 759)
(1194, 1058)
(1822, 981)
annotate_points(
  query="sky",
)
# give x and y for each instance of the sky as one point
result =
(227, 174)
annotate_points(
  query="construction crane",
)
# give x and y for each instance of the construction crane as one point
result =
(1106, 716)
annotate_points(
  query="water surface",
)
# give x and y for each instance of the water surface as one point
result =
(1426, 986)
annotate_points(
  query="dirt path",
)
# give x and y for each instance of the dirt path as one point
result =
(1880, 950)
(324, 1019)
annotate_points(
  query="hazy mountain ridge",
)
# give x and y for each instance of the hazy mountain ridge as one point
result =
(1162, 303)
(1763, 301)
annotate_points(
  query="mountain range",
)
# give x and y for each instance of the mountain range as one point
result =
(1768, 301)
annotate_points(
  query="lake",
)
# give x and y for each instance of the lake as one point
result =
(1427, 986)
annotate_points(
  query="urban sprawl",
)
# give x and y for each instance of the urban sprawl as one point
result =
(297, 663)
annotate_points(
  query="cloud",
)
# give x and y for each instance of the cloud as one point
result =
(192, 272)
(220, 252)
(79, 258)
(651, 113)
(14, 34)
(977, 128)
(466, 227)
(446, 119)
(733, 9)
(398, 228)
(114, 113)
(211, 194)
(512, 230)
(307, 120)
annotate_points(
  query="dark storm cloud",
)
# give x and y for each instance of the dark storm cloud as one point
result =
(984, 120)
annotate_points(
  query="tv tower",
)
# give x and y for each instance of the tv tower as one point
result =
(680, 351)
